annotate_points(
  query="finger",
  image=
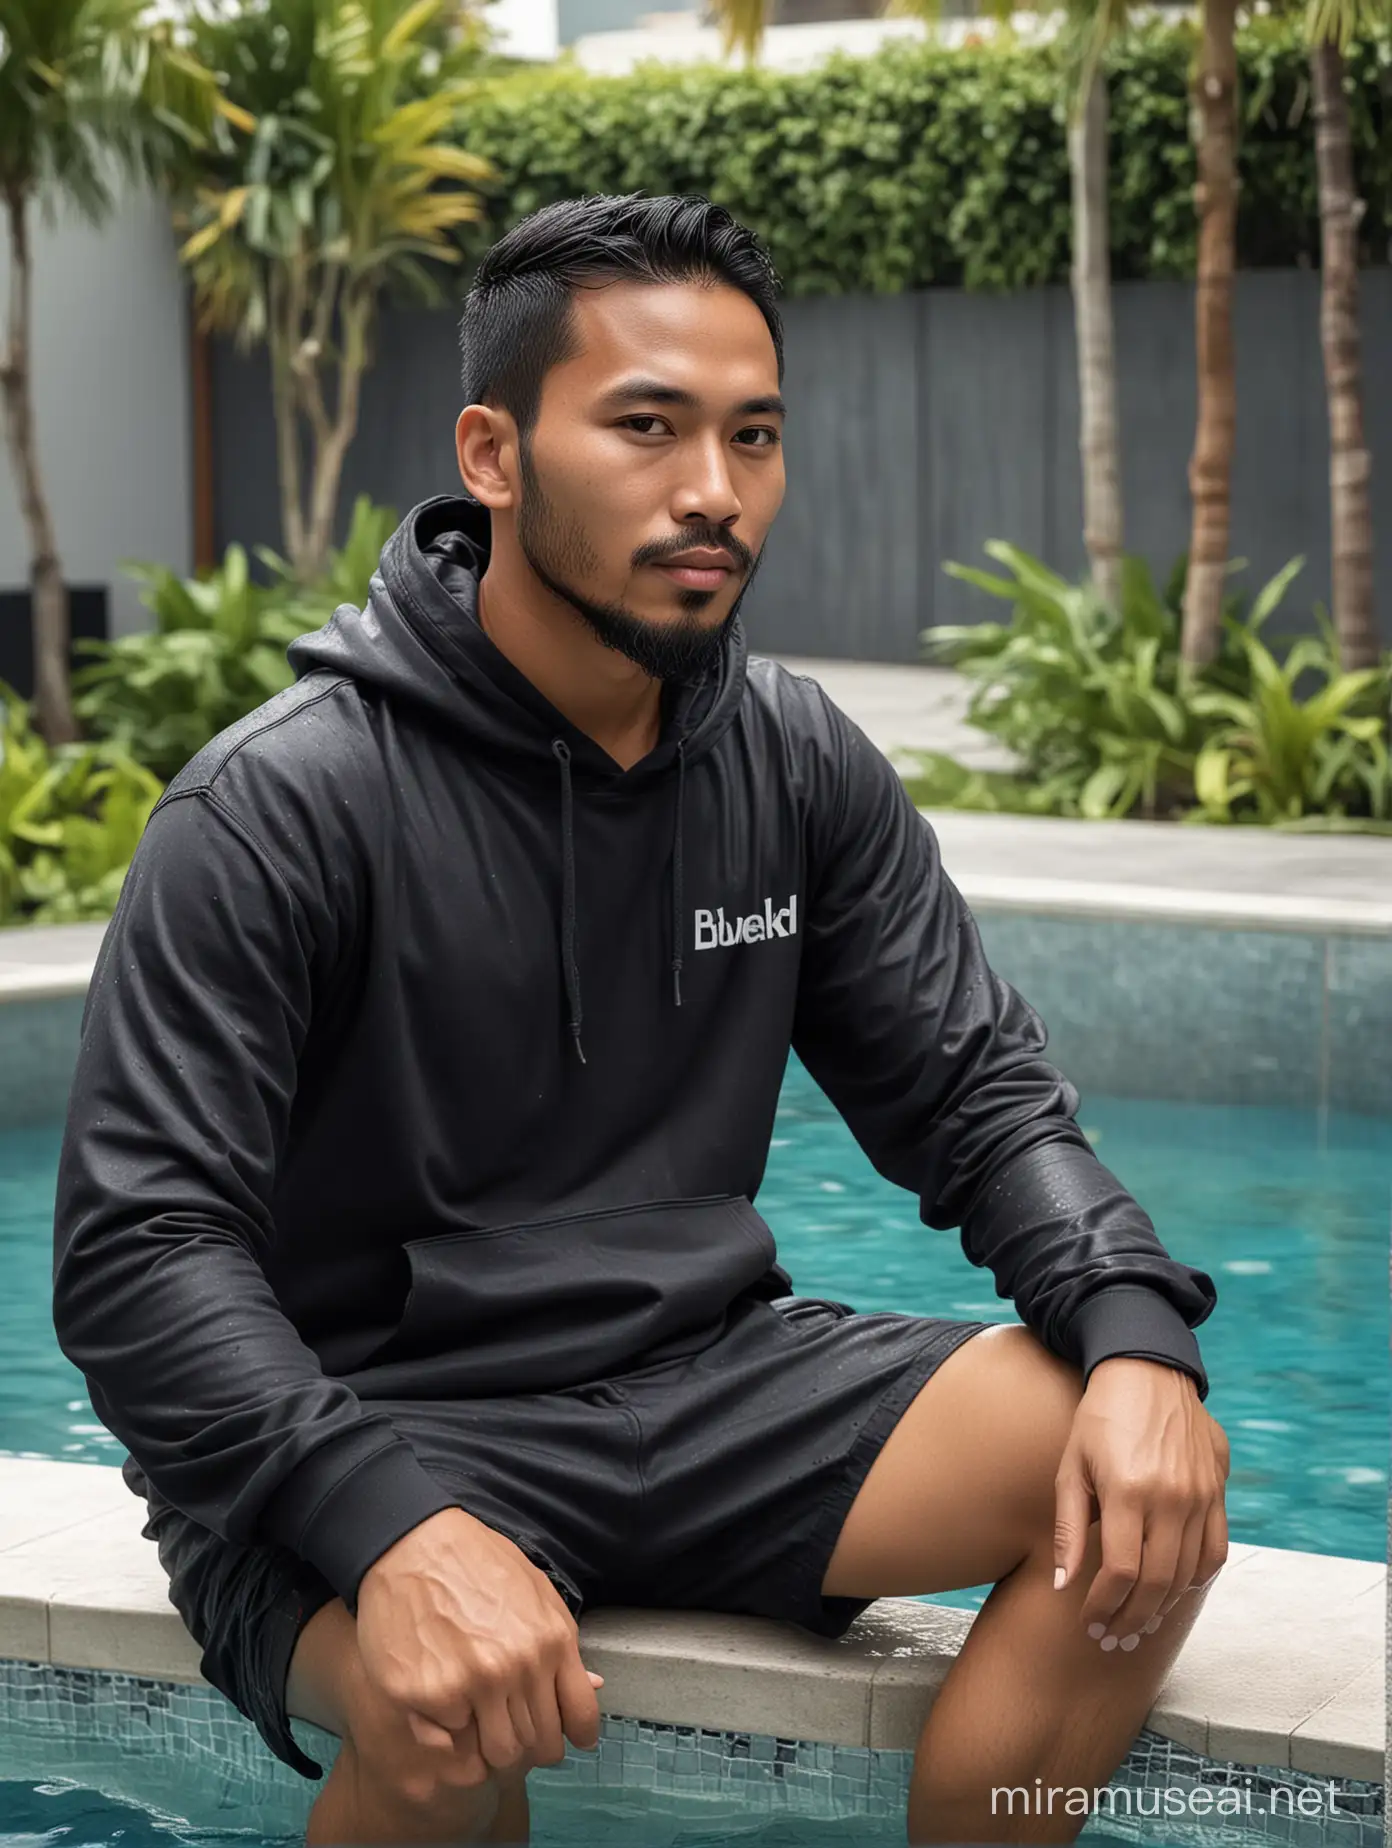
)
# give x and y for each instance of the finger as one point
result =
(1074, 1513)
(1161, 1547)
(429, 1732)
(550, 1735)
(523, 1720)
(498, 1740)
(1122, 1537)
(1190, 1553)
(469, 1767)
(1213, 1553)
(596, 1681)
(575, 1696)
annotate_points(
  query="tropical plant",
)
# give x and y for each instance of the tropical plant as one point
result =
(1330, 25)
(91, 91)
(343, 178)
(935, 780)
(1282, 758)
(1085, 694)
(348, 568)
(218, 647)
(1104, 720)
(70, 819)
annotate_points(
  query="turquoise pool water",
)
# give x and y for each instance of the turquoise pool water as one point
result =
(1287, 1210)
(59, 1815)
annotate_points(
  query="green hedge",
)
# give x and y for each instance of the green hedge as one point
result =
(920, 165)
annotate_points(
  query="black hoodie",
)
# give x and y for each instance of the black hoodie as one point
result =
(413, 991)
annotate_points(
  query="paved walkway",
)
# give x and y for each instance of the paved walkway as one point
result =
(913, 708)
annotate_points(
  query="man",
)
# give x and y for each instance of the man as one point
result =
(404, 1228)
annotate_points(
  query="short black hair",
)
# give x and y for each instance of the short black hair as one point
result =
(518, 319)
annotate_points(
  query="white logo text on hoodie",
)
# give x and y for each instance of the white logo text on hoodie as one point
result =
(714, 932)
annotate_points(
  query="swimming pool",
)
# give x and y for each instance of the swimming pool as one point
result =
(1286, 1201)
(130, 1764)
(1287, 1209)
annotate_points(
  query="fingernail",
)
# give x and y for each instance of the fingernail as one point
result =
(1109, 1643)
(1154, 1624)
(1060, 1574)
(1097, 1631)
(1129, 1642)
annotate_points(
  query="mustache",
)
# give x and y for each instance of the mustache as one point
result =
(712, 538)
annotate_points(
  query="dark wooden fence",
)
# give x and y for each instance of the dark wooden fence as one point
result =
(920, 426)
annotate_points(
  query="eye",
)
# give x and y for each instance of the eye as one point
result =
(659, 424)
(771, 436)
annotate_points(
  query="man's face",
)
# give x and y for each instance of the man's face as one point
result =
(655, 468)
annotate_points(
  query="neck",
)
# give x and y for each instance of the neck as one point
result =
(603, 694)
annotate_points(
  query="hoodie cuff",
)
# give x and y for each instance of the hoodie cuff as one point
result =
(341, 1516)
(1129, 1320)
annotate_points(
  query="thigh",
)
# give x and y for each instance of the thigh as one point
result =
(964, 1482)
(754, 1448)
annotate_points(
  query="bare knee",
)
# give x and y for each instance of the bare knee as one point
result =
(369, 1801)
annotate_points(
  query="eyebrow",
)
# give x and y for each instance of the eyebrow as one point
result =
(653, 391)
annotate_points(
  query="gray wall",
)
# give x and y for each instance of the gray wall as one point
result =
(922, 425)
(111, 389)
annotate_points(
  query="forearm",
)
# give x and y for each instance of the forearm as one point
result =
(191, 1363)
(1082, 1261)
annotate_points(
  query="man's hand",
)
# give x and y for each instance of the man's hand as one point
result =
(1145, 1455)
(460, 1629)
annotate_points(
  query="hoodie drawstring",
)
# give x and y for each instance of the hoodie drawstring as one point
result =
(561, 751)
(677, 876)
(572, 972)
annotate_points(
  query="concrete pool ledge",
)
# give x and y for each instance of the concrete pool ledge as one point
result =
(1248, 879)
(1284, 1667)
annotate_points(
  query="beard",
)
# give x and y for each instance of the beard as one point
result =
(559, 551)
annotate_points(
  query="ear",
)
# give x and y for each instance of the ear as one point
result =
(485, 441)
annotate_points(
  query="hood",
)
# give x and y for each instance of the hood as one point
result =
(418, 640)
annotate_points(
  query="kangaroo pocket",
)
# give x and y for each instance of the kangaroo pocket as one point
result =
(550, 1303)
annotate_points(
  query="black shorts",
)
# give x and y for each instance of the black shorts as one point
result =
(719, 1481)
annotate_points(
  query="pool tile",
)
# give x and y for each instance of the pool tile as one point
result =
(1170, 1010)
(1358, 1058)
(38, 1049)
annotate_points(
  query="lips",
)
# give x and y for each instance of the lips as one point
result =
(698, 570)
(697, 577)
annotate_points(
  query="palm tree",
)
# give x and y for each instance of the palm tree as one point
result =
(1210, 466)
(1330, 24)
(89, 90)
(1090, 30)
(1090, 27)
(348, 179)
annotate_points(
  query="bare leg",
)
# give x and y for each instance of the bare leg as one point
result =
(963, 1494)
(378, 1790)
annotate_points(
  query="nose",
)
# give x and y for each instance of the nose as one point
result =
(707, 491)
